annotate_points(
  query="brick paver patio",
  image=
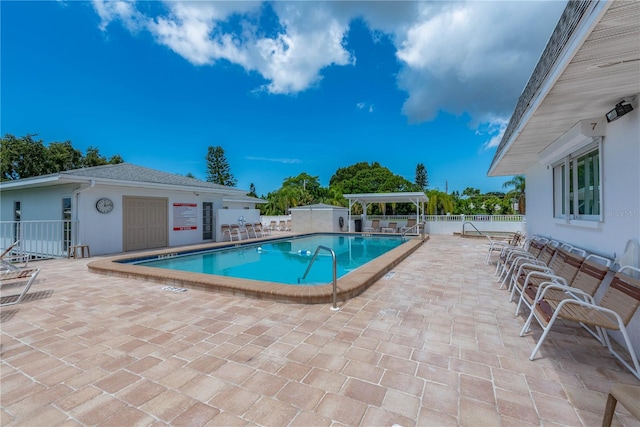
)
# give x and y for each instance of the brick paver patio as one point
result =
(435, 342)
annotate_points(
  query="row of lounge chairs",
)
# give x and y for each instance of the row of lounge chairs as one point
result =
(392, 227)
(555, 281)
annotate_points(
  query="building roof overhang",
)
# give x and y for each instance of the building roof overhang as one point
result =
(591, 63)
(413, 197)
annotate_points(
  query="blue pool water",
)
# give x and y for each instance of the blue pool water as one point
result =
(283, 261)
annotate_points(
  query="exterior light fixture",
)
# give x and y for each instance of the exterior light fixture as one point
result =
(619, 111)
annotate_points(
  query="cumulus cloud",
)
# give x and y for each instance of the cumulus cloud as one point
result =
(469, 58)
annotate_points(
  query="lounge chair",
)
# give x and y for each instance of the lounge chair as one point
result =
(236, 230)
(375, 225)
(574, 272)
(496, 245)
(9, 257)
(15, 277)
(231, 231)
(532, 246)
(273, 226)
(411, 224)
(556, 265)
(393, 226)
(537, 253)
(249, 228)
(615, 310)
(287, 225)
(282, 226)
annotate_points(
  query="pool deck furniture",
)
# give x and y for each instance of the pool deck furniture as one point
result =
(83, 250)
(15, 278)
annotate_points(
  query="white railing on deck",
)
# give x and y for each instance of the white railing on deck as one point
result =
(40, 239)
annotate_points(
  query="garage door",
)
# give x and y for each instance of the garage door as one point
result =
(146, 222)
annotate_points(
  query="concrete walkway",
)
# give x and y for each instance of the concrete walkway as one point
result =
(433, 343)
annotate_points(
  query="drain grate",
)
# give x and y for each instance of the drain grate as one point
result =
(172, 289)
(389, 275)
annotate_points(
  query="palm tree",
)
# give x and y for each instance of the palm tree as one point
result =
(439, 203)
(518, 183)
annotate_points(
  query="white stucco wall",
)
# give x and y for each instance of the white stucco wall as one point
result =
(620, 162)
(315, 220)
(104, 232)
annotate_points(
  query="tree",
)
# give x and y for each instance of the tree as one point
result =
(26, 157)
(518, 192)
(422, 178)
(252, 190)
(218, 169)
(439, 203)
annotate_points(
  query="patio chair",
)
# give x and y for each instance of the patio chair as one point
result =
(560, 266)
(615, 310)
(236, 230)
(17, 277)
(10, 257)
(249, 228)
(537, 253)
(375, 225)
(230, 230)
(411, 223)
(392, 226)
(575, 272)
(287, 225)
(281, 225)
(531, 246)
(496, 245)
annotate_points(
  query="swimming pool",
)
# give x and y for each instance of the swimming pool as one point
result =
(283, 261)
(348, 286)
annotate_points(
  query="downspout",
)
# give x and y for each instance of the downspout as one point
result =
(76, 211)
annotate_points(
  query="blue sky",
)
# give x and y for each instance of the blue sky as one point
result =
(283, 87)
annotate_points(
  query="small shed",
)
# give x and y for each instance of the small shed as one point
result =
(319, 218)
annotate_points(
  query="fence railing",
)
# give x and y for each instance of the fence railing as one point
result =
(39, 239)
(452, 218)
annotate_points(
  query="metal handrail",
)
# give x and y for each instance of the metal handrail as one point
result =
(471, 224)
(335, 280)
(403, 233)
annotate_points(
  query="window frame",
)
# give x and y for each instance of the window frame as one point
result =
(565, 186)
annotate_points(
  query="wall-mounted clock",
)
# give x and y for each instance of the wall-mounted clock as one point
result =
(104, 205)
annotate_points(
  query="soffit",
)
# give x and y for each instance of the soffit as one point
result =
(605, 70)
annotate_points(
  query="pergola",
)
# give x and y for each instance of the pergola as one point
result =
(365, 199)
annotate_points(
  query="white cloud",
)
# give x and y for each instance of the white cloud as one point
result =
(494, 128)
(469, 58)
(365, 106)
(275, 160)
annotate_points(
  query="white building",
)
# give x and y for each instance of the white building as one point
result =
(582, 172)
(117, 208)
(575, 134)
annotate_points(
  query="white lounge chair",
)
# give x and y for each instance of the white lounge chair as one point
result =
(17, 277)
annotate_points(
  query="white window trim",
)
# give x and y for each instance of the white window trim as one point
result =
(589, 221)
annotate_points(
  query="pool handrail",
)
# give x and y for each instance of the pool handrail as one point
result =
(335, 280)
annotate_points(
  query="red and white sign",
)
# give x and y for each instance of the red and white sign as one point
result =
(185, 216)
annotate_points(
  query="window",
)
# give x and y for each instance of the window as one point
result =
(576, 186)
(17, 216)
(66, 222)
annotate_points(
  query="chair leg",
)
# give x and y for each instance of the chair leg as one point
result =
(609, 411)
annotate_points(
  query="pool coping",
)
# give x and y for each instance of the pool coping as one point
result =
(348, 286)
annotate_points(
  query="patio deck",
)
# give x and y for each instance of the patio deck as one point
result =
(434, 342)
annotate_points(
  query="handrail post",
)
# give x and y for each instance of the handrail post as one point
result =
(335, 276)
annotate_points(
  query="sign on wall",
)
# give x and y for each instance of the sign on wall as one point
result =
(185, 216)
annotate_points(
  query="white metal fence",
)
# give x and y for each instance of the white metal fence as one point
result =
(39, 239)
